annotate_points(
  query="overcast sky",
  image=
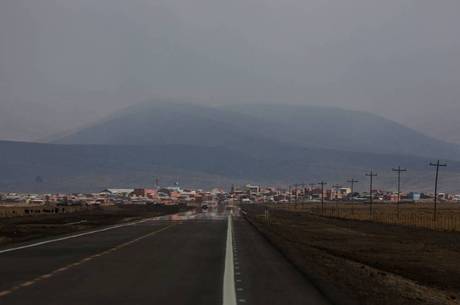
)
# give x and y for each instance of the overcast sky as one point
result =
(65, 63)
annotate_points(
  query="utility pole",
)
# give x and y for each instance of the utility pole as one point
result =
(304, 188)
(296, 194)
(289, 192)
(336, 189)
(311, 190)
(371, 175)
(437, 165)
(352, 181)
(399, 170)
(322, 183)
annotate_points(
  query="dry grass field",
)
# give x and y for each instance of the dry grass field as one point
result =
(367, 262)
(26, 228)
(419, 215)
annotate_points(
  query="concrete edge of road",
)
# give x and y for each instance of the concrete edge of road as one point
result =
(229, 291)
(330, 293)
(67, 237)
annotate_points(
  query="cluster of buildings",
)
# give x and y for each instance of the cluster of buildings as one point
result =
(312, 193)
(15, 204)
(164, 195)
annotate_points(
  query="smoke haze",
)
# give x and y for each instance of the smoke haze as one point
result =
(64, 64)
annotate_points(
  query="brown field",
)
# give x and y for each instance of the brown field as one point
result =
(367, 262)
(410, 214)
(25, 228)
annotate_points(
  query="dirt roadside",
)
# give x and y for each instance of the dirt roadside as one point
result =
(22, 229)
(359, 262)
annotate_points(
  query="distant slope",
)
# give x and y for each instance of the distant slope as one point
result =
(258, 128)
(166, 123)
(80, 168)
(340, 129)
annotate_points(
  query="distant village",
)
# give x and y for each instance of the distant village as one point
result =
(17, 204)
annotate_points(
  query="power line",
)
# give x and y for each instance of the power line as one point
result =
(371, 175)
(311, 190)
(399, 170)
(352, 182)
(438, 164)
(336, 188)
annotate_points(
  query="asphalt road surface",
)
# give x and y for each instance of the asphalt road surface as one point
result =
(193, 258)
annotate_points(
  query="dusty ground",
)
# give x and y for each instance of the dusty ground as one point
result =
(361, 262)
(418, 214)
(20, 229)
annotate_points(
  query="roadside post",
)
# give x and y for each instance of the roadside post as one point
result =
(322, 183)
(399, 170)
(352, 181)
(371, 175)
(437, 165)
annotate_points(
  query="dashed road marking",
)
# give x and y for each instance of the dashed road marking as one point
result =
(5, 292)
(75, 235)
(82, 261)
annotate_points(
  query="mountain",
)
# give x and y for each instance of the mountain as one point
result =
(259, 128)
(204, 146)
(32, 167)
(340, 129)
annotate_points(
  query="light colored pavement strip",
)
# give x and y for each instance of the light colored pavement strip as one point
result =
(75, 236)
(80, 262)
(229, 294)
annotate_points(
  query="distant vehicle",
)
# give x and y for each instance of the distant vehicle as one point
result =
(204, 207)
(13, 197)
(246, 200)
(37, 201)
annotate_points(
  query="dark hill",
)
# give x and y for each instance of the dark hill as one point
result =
(76, 168)
(256, 128)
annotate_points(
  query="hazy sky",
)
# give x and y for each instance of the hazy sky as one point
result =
(65, 63)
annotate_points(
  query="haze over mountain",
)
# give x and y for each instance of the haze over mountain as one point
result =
(69, 69)
(259, 128)
(81, 60)
(205, 146)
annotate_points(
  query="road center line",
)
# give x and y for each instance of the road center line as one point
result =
(75, 236)
(229, 294)
(80, 262)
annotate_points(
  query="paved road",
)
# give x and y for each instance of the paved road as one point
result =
(169, 260)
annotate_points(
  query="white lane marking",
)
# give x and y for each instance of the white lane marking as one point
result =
(82, 261)
(74, 236)
(229, 294)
